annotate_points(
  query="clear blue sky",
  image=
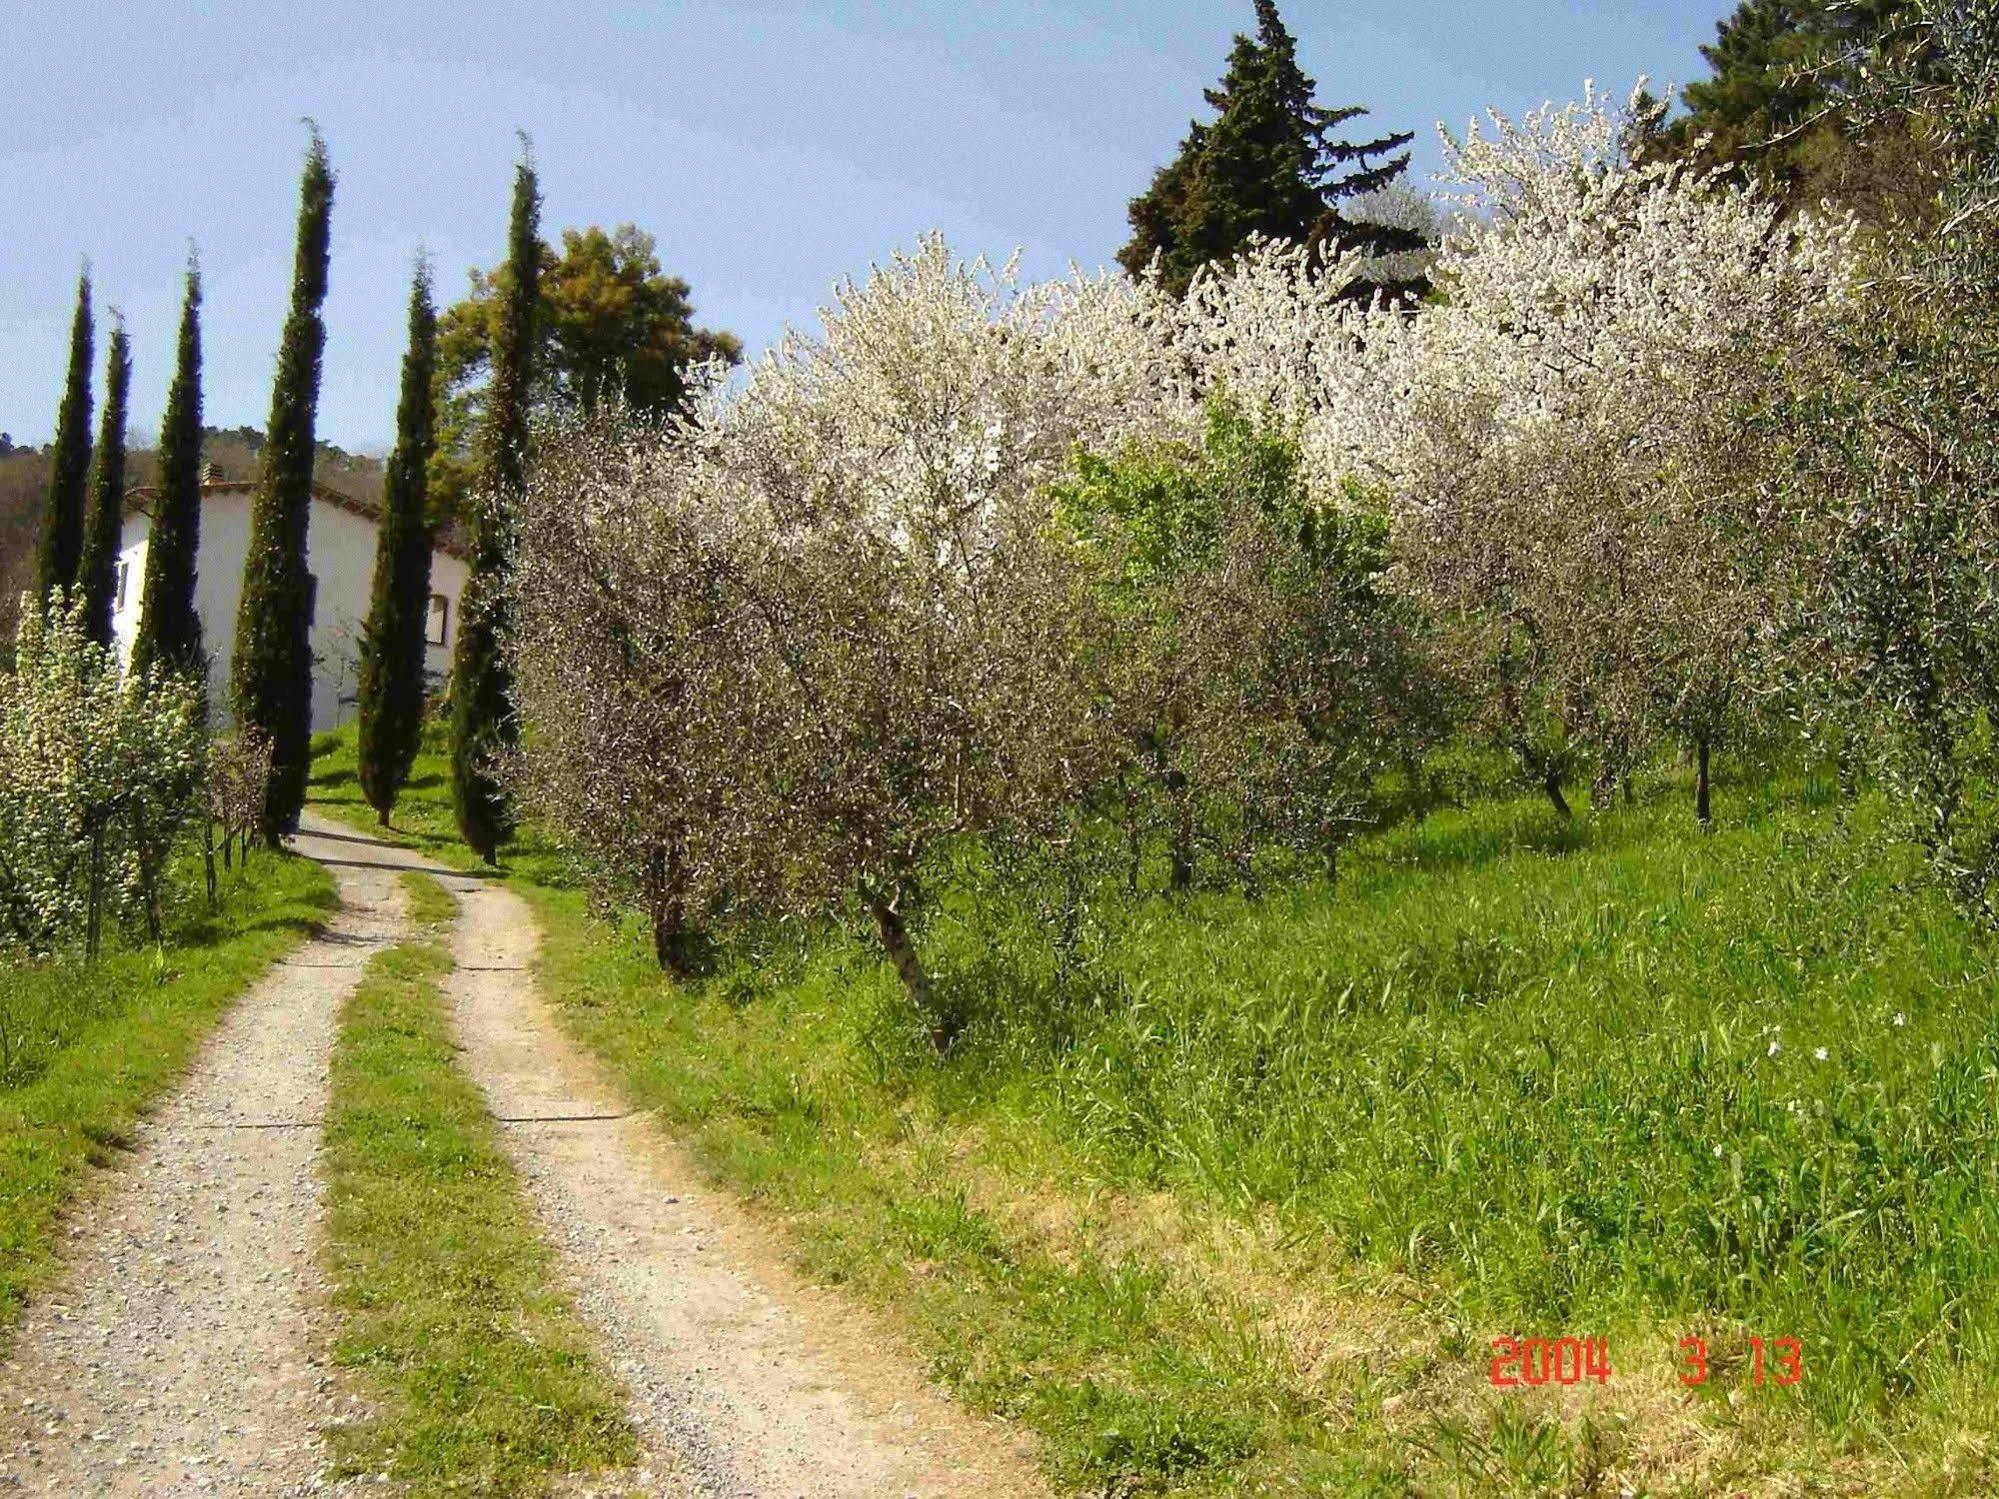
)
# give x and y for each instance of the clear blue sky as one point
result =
(771, 147)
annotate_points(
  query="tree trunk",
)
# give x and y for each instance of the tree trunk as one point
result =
(1702, 810)
(208, 858)
(1630, 796)
(672, 947)
(1552, 784)
(908, 967)
(381, 817)
(1183, 830)
(666, 899)
(1603, 790)
(93, 928)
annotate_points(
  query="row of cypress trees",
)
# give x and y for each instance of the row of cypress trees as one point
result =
(83, 519)
(271, 671)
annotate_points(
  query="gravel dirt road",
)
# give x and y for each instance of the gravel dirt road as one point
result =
(179, 1355)
(183, 1352)
(743, 1382)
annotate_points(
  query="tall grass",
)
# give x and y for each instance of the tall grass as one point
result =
(1746, 1079)
(1620, 1077)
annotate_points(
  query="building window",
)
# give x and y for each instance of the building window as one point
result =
(440, 614)
(124, 572)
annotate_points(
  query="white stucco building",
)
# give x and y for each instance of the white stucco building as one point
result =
(340, 553)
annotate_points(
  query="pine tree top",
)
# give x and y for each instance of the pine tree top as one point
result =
(1272, 164)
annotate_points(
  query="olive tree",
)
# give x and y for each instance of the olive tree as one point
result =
(1894, 440)
(647, 708)
(927, 626)
(1245, 654)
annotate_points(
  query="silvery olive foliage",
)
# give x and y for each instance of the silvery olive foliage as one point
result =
(100, 775)
(1898, 462)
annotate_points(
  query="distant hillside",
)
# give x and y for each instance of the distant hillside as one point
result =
(233, 453)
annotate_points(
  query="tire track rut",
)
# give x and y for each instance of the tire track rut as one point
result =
(178, 1355)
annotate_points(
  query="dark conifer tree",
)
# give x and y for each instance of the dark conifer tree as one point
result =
(392, 643)
(69, 466)
(169, 628)
(97, 573)
(1775, 111)
(1270, 164)
(482, 719)
(271, 676)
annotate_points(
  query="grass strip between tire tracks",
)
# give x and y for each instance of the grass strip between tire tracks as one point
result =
(477, 1369)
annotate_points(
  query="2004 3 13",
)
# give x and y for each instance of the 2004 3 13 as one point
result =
(1533, 1362)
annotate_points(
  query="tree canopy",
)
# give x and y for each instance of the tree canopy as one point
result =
(1271, 164)
(609, 322)
(1776, 109)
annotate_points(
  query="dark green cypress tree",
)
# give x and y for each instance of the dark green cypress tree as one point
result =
(97, 573)
(271, 675)
(69, 466)
(169, 628)
(482, 719)
(392, 643)
(1270, 164)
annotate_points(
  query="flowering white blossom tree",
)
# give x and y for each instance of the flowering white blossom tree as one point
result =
(799, 641)
(1563, 451)
(98, 777)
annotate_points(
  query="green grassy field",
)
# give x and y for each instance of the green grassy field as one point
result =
(88, 1049)
(1239, 1205)
(479, 1373)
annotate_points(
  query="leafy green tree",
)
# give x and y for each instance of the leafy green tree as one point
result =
(271, 677)
(1253, 670)
(1269, 164)
(1776, 108)
(97, 574)
(392, 643)
(608, 322)
(69, 471)
(169, 626)
(483, 729)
